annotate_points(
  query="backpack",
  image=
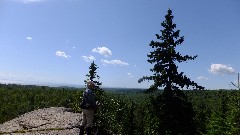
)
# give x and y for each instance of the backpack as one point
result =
(88, 100)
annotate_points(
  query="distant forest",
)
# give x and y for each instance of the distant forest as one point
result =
(127, 111)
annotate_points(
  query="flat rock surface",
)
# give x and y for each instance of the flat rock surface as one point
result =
(49, 121)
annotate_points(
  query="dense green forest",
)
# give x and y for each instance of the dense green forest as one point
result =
(125, 111)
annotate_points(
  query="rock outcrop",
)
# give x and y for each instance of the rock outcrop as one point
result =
(47, 121)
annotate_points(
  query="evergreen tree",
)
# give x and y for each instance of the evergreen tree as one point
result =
(99, 118)
(165, 58)
(92, 76)
(172, 107)
(222, 120)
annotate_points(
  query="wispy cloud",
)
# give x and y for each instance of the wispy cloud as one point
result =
(29, 1)
(130, 75)
(202, 78)
(62, 54)
(89, 59)
(221, 69)
(103, 51)
(28, 79)
(114, 62)
(29, 38)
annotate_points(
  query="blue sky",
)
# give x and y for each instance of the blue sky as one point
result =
(54, 41)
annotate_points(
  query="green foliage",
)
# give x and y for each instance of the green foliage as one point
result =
(172, 107)
(164, 57)
(16, 100)
(222, 120)
(133, 112)
(77, 97)
(152, 89)
(100, 114)
(92, 75)
(175, 113)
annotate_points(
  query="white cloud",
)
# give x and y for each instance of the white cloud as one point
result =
(202, 78)
(29, 38)
(62, 54)
(221, 69)
(103, 51)
(115, 62)
(130, 75)
(89, 59)
(29, 1)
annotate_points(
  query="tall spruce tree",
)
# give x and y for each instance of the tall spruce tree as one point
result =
(175, 112)
(92, 76)
(165, 58)
(99, 120)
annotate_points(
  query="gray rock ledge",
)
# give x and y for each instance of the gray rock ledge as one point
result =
(47, 121)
